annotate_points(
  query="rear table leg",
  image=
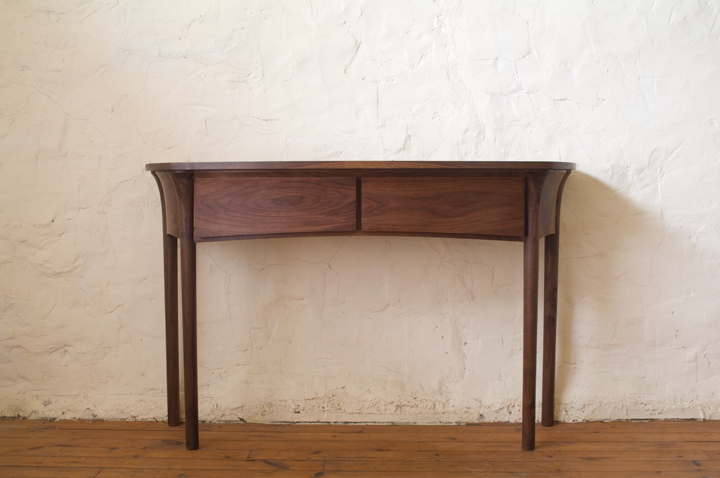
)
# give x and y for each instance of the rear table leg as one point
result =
(550, 329)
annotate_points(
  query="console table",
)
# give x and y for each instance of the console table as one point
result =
(507, 201)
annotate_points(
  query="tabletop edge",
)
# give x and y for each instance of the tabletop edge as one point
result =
(359, 165)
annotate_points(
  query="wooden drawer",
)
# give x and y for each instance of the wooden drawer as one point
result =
(444, 205)
(229, 207)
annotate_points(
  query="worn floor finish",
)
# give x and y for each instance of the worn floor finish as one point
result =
(30, 448)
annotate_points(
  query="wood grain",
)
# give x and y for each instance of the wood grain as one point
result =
(489, 206)
(359, 165)
(183, 183)
(673, 449)
(170, 202)
(172, 336)
(550, 304)
(535, 188)
(227, 201)
(258, 206)
(172, 351)
(548, 200)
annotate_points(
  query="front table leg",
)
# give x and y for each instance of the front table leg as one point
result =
(189, 315)
(530, 324)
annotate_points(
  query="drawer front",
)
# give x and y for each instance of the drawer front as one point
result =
(228, 207)
(471, 205)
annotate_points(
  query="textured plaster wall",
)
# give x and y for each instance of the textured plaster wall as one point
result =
(363, 328)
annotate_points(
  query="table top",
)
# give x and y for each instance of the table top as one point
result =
(361, 165)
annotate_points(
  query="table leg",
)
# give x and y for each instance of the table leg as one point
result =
(530, 324)
(171, 330)
(189, 315)
(552, 257)
(550, 329)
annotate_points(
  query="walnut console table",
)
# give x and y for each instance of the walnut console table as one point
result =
(507, 201)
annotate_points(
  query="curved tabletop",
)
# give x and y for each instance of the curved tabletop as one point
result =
(360, 165)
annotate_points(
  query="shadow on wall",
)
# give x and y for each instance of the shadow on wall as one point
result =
(608, 260)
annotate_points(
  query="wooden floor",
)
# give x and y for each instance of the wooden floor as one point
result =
(40, 449)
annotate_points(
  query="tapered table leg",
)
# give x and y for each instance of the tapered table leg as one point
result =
(171, 330)
(189, 313)
(530, 324)
(550, 329)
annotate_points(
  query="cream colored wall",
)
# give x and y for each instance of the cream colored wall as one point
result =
(362, 328)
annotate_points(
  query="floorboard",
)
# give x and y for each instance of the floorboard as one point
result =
(106, 449)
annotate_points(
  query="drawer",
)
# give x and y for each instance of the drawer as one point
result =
(444, 205)
(229, 207)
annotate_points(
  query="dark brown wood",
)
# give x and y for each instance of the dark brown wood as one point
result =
(552, 257)
(190, 343)
(365, 233)
(489, 206)
(530, 297)
(547, 202)
(549, 329)
(361, 173)
(480, 200)
(170, 203)
(361, 165)
(358, 204)
(183, 183)
(240, 206)
(172, 353)
(172, 339)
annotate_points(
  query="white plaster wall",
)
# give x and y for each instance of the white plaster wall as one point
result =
(359, 329)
